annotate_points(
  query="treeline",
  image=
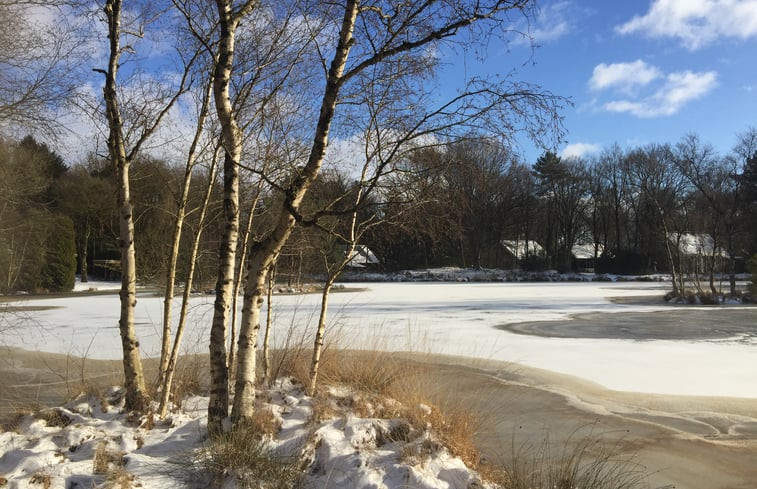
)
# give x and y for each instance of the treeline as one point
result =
(453, 204)
(59, 220)
(632, 208)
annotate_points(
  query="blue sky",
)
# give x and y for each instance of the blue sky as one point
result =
(638, 72)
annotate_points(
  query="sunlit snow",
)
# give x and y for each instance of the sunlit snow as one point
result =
(449, 318)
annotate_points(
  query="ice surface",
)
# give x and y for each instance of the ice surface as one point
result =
(449, 318)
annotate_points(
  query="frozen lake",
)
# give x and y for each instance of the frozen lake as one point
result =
(451, 318)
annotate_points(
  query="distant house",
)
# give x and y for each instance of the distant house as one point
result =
(518, 250)
(362, 258)
(697, 252)
(695, 244)
(521, 249)
(584, 255)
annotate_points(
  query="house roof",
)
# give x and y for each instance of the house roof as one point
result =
(362, 257)
(695, 244)
(520, 248)
(585, 251)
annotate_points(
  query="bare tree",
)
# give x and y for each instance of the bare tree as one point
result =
(718, 186)
(188, 281)
(375, 41)
(272, 61)
(192, 157)
(148, 116)
(655, 177)
(38, 66)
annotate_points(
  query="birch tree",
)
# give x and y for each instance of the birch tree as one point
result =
(229, 17)
(149, 113)
(196, 149)
(242, 93)
(194, 152)
(173, 356)
(376, 40)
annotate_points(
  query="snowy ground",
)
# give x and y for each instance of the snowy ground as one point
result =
(449, 318)
(88, 445)
(350, 450)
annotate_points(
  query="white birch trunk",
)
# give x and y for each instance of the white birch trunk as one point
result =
(137, 398)
(171, 366)
(238, 281)
(264, 254)
(176, 240)
(231, 137)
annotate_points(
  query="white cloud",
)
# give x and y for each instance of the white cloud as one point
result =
(624, 76)
(696, 22)
(577, 150)
(679, 89)
(552, 22)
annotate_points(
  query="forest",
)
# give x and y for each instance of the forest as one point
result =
(452, 205)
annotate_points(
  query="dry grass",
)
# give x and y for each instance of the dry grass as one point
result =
(190, 378)
(118, 478)
(264, 422)
(41, 478)
(384, 386)
(587, 463)
(244, 455)
(106, 460)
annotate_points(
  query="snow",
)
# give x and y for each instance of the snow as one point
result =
(343, 452)
(362, 257)
(95, 285)
(691, 244)
(587, 251)
(449, 318)
(521, 248)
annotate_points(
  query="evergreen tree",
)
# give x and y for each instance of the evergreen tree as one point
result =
(60, 256)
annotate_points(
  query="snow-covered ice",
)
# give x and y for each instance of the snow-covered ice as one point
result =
(449, 318)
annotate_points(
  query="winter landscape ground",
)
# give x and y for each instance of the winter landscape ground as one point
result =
(562, 361)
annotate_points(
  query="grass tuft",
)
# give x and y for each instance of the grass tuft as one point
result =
(588, 463)
(244, 456)
(118, 478)
(41, 478)
(106, 460)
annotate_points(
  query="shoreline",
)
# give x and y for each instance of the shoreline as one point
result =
(693, 442)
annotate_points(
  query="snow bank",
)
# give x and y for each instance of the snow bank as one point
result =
(83, 445)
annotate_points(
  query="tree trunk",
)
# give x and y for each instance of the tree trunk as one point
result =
(268, 326)
(315, 363)
(218, 408)
(171, 366)
(264, 254)
(231, 138)
(176, 240)
(238, 280)
(731, 264)
(136, 392)
(85, 255)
